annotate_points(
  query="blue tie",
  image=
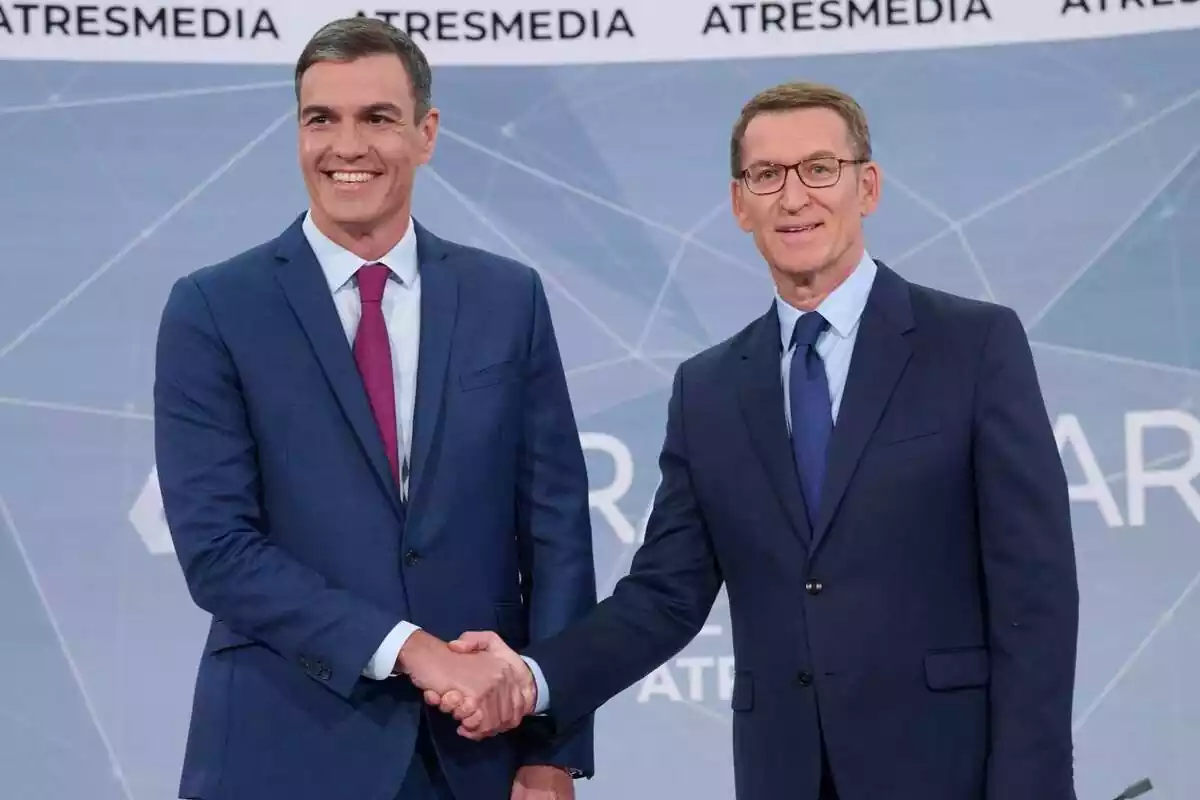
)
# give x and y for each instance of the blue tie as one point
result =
(812, 414)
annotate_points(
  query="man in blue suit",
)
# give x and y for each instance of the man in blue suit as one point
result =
(870, 471)
(366, 447)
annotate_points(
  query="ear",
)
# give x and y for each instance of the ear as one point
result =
(738, 202)
(870, 186)
(427, 133)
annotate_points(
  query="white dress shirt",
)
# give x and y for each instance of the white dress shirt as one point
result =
(402, 314)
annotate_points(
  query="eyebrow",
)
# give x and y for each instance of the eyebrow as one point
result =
(809, 157)
(374, 108)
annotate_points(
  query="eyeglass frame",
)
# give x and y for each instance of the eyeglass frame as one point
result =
(789, 168)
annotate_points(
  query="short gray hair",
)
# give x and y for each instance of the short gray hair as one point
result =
(798, 95)
(358, 37)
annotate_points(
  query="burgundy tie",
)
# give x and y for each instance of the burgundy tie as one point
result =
(373, 353)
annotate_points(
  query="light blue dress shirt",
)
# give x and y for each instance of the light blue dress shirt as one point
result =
(843, 309)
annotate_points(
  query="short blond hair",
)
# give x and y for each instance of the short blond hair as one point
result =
(796, 95)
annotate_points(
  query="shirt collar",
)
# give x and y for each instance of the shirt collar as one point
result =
(340, 265)
(842, 308)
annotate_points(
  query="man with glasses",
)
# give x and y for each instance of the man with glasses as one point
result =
(870, 470)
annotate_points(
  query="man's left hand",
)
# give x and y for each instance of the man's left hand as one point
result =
(543, 782)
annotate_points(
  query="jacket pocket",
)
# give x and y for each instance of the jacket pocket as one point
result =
(743, 691)
(221, 637)
(965, 668)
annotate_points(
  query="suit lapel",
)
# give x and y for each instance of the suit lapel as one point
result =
(439, 311)
(307, 291)
(760, 390)
(880, 356)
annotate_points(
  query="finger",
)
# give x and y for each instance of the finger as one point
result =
(465, 709)
(462, 646)
(475, 736)
(494, 711)
(479, 640)
(451, 700)
(432, 697)
(516, 706)
(471, 718)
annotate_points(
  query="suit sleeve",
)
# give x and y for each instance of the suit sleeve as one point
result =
(211, 488)
(554, 524)
(1029, 566)
(654, 611)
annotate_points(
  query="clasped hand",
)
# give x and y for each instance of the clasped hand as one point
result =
(477, 678)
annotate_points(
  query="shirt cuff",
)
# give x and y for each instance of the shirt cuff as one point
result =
(383, 664)
(543, 692)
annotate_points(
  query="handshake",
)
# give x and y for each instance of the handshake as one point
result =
(477, 678)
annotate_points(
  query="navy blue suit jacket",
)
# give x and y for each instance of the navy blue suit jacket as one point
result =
(931, 611)
(291, 532)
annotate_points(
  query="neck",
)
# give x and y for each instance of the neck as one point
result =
(807, 290)
(368, 241)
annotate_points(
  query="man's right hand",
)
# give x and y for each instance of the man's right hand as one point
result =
(476, 722)
(481, 682)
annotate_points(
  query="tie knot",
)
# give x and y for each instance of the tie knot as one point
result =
(807, 329)
(371, 280)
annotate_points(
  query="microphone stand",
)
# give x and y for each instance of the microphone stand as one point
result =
(1135, 790)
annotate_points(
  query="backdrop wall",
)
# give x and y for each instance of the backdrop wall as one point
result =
(1059, 177)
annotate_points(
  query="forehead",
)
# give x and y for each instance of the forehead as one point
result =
(362, 82)
(788, 136)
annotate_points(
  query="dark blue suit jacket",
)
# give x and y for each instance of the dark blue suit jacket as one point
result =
(292, 535)
(931, 612)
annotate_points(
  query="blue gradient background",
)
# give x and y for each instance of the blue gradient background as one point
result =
(1059, 179)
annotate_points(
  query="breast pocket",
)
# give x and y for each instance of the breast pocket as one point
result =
(470, 380)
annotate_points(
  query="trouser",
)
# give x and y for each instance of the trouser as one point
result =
(424, 779)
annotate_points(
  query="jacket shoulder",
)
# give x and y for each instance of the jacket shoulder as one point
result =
(713, 361)
(944, 305)
(493, 268)
(246, 265)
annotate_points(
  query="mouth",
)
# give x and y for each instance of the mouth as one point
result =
(351, 179)
(798, 234)
(798, 229)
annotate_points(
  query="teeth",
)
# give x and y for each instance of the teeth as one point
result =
(352, 177)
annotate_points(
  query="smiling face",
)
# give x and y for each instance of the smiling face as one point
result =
(812, 238)
(360, 146)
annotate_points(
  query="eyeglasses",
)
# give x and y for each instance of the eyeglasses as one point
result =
(815, 173)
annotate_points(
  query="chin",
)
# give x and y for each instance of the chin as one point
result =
(799, 267)
(351, 213)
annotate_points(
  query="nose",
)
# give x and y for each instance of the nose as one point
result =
(349, 142)
(794, 194)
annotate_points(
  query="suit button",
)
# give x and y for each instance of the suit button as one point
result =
(805, 678)
(323, 673)
(410, 558)
(814, 587)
